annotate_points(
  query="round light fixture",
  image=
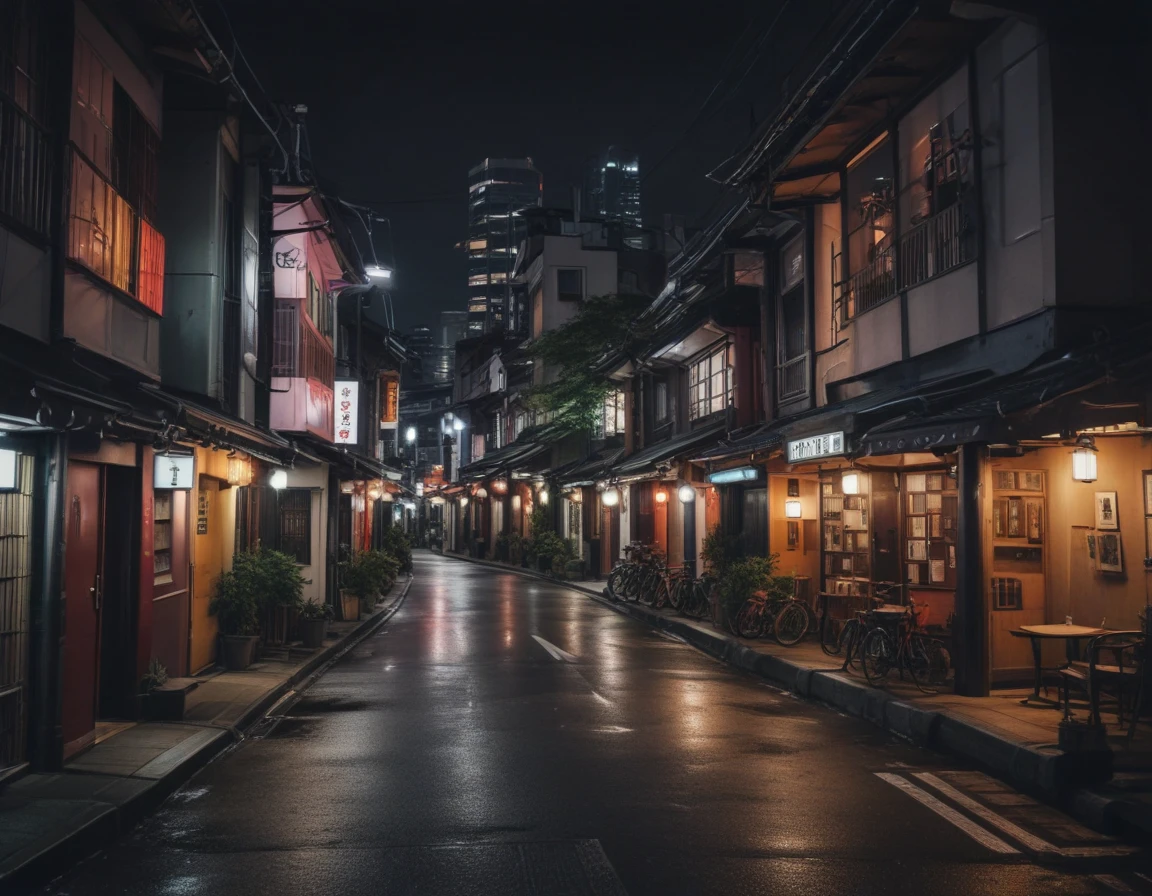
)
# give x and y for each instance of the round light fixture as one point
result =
(661, 496)
(278, 479)
(686, 494)
(611, 497)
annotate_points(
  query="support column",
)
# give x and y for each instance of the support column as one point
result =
(970, 629)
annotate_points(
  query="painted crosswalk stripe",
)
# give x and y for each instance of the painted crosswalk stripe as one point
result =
(969, 827)
(561, 656)
(1112, 882)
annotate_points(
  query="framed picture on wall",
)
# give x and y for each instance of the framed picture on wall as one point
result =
(1110, 558)
(1148, 492)
(1092, 549)
(1107, 515)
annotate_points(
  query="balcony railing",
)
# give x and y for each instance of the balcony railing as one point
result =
(872, 285)
(792, 378)
(943, 242)
(25, 169)
(298, 349)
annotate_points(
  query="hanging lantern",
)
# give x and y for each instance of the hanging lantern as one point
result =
(463, 500)
(611, 497)
(792, 510)
(661, 496)
(375, 490)
(481, 492)
(686, 494)
(278, 479)
(1084, 465)
(347, 487)
(500, 486)
(239, 470)
(850, 483)
(543, 496)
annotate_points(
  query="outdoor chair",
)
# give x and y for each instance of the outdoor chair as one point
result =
(1111, 674)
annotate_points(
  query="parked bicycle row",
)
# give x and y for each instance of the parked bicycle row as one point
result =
(877, 632)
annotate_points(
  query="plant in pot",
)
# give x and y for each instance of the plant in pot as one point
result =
(362, 578)
(742, 579)
(157, 703)
(237, 612)
(314, 618)
(279, 589)
(395, 542)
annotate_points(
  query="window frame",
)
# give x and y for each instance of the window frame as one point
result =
(301, 553)
(561, 295)
(702, 390)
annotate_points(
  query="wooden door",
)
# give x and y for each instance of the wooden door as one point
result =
(82, 601)
(207, 564)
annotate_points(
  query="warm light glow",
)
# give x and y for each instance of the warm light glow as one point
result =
(792, 510)
(500, 486)
(576, 496)
(661, 496)
(544, 496)
(481, 492)
(410, 434)
(1084, 465)
(611, 497)
(457, 424)
(463, 500)
(239, 470)
(375, 490)
(386, 498)
(686, 494)
(347, 487)
(850, 483)
(378, 272)
(278, 479)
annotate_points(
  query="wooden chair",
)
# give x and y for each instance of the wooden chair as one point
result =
(1114, 667)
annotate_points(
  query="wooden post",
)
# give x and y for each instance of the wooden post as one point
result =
(970, 629)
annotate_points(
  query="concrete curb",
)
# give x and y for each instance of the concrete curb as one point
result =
(1041, 771)
(103, 829)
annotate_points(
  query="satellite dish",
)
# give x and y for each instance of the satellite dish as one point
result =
(250, 365)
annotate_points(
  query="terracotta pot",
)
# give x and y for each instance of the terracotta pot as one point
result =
(313, 632)
(349, 605)
(238, 651)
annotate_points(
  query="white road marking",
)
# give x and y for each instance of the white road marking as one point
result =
(613, 729)
(946, 812)
(602, 698)
(1112, 883)
(561, 656)
(1030, 840)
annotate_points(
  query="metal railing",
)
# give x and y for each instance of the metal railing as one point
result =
(792, 378)
(872, 285)
(298, 349)
(25, 169)
(943, 242)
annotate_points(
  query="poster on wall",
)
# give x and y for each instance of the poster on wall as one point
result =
(1108, 551)
(172, 471)
(1107, 514)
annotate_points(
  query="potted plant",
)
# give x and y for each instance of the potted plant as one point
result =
(314, 618)
(235, 606)
(363, 577)
(279, 588)
(157, 703)
(395, 543)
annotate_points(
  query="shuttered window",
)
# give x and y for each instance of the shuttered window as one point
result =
(296, 524)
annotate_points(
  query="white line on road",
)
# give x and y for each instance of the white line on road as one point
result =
(946, 812)
(561, 656)
(602, 698)
(1112, 883)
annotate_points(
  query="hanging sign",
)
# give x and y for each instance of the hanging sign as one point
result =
(347, 411)
(828, 444)
(172, 470)
(389, 400)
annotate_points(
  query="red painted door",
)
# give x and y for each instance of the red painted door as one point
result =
(82, 597)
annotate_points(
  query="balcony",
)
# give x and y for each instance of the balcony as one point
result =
(25, 170)
(943, 242)
(792, 379)
(304, 368)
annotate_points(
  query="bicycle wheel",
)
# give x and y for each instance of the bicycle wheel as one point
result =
(615, 582)
(791, 624)
(876, 655)
(748, 619)
(645, 592)
(851, 635)
(830, 636)
(927, 660)
(631, 589)
(677, 593)
(660, 594)
(697, 604)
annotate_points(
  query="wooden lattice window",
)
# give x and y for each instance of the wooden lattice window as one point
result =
(296, 524)
(1007, 594)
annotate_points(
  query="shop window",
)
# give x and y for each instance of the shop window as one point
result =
(709, 384)
(611, 420)
(570, 284)
(295, 506)
(930, 526)
(1007, 594)
(846, 516)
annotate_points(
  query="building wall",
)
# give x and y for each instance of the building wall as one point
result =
(24, 285)
(315, 477)
(804, 559)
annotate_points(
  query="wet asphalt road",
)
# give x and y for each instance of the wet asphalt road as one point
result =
(454, 752)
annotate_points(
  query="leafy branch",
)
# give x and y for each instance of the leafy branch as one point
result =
(574, 389)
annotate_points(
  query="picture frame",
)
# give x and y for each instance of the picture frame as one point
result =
(1148, 493)
(1035, 518)
(1109, 553)
(1107, 512)
(1092, 548)
(1030, 481)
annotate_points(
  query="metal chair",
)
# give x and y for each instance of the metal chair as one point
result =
(1115, 667)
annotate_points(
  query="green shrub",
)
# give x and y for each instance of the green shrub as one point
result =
(395, 542)
(258, 581)
(720, 551)
(743, 578)
(310, 609)
(368, 573)
(155, 677)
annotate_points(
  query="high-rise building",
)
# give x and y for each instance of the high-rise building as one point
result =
(497, 190)
(453, 327)
(421, 345)
(612, 187)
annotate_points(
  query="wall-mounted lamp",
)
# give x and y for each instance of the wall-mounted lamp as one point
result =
(661, 496)
(543, 496)
(481, 492)
(611, 497)
(347, 487)
(792, 510)
(1084, 460)
(850, 483)
(463, 500)
(500, 486)
(686, 494)
(410, 434)
(278, 479)
(457, 424)
(239, 470)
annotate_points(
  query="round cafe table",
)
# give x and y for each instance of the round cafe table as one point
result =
(1072, 636)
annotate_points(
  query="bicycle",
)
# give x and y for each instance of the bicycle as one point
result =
(690, 595)
(847, 638)
(901, 643)
(786, 616)
(627, 575)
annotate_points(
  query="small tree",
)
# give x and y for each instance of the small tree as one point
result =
(575, 395)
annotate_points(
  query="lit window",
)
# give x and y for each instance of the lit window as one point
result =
(709, 384)
(611, 420)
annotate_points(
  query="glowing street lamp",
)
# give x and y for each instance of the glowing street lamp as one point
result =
(378, 272)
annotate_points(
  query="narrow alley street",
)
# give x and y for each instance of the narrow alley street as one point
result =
(503, 735)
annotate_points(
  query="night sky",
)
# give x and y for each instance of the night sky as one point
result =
(404, 98)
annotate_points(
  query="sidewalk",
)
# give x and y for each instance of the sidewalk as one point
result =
(49, 821)
(1016, 742)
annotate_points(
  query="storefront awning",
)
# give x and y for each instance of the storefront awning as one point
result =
(648, 460)
(588, 471)
(502, 459)
(762, 438)
(350, 465)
